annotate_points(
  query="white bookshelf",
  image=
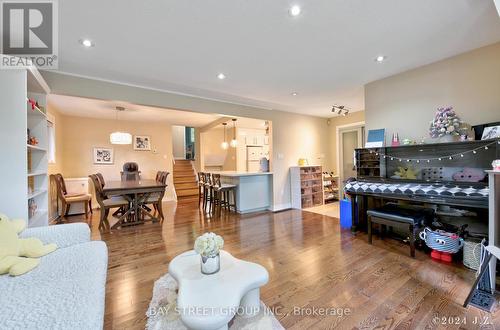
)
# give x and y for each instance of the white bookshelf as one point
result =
(306, 184)
(24, 170)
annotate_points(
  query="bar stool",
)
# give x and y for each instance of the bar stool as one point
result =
(221, 195)
(207, 191)
(201, 186)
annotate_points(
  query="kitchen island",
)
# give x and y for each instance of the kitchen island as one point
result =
(253, 191)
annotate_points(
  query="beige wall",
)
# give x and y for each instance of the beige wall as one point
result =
(406, 103)
(293, 135)
(80, 135)
(210, 146)
(336, 122)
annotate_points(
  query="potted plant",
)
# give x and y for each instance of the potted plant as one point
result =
(446, 125)
(208, 246)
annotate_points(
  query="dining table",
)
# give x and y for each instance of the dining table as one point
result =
(137, 193)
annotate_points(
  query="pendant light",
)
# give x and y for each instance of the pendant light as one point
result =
(120, 137)
(224, 144)
(234, 142)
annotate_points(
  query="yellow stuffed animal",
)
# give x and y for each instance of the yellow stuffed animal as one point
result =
(17, 256)
(406, 173)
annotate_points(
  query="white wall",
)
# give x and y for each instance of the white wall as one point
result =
(406, 103)
(179, 142)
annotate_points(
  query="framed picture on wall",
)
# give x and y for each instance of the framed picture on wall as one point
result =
(142, 142)
(103, 156)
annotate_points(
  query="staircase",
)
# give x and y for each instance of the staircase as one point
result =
(185, 181)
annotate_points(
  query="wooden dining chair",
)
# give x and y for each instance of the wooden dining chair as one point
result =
(120, 210)
(157, 198)
(101, 179)
(68, 199)
(158, 175)
(106, 203)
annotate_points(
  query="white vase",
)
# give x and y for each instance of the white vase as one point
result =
(210, 265)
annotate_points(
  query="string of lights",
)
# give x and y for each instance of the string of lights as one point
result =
(440, 158)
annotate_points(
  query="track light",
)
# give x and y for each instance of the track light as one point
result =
(340, 110)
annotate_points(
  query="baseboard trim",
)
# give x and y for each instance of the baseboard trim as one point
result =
(280, 207)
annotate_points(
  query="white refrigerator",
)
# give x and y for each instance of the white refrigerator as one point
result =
(254, 154)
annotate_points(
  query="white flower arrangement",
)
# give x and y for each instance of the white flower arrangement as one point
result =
(208, 244)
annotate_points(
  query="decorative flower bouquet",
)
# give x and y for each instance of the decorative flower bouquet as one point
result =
(446, 122)
(208, 244)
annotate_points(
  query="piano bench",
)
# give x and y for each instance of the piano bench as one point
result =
(404, 218)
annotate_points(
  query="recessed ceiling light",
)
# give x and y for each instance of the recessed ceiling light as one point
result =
(221, 76)
(86, 42)
(295, 94)
(294, 10)
(380, 58)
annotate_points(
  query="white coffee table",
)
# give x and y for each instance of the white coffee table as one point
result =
(209, 302)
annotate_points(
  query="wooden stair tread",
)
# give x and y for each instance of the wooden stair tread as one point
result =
(187, 192)
(186, 185)
(185, 180)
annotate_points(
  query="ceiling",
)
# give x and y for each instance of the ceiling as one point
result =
(92, 108)
(102, 109)
(243, 122)
(326, 54)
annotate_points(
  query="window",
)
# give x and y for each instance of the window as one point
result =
(51, 145)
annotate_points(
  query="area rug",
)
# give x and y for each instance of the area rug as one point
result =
(162, 314)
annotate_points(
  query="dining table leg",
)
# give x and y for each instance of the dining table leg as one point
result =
(121, 218)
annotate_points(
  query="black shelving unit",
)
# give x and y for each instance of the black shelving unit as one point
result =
(382, 163)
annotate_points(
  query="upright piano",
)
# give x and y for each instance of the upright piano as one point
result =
(450, 177)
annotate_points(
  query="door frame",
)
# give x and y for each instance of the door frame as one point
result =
(340, 155)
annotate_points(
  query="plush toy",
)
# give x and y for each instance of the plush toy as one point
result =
(406, 173)
(469, 175)
(17, 256)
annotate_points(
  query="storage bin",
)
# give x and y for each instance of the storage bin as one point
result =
(472, 253)
(345, 214)
(442, 241)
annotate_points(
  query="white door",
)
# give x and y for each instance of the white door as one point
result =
(350, 138)
(179, 142)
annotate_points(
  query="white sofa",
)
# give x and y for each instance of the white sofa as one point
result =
(67, 289)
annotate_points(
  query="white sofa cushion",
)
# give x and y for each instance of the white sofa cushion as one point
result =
(66, 291)
(62, 235)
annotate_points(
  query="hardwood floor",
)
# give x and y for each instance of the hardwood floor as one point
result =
(314, 269)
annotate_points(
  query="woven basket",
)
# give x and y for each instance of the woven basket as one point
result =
(472, 254)
(441, 241)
